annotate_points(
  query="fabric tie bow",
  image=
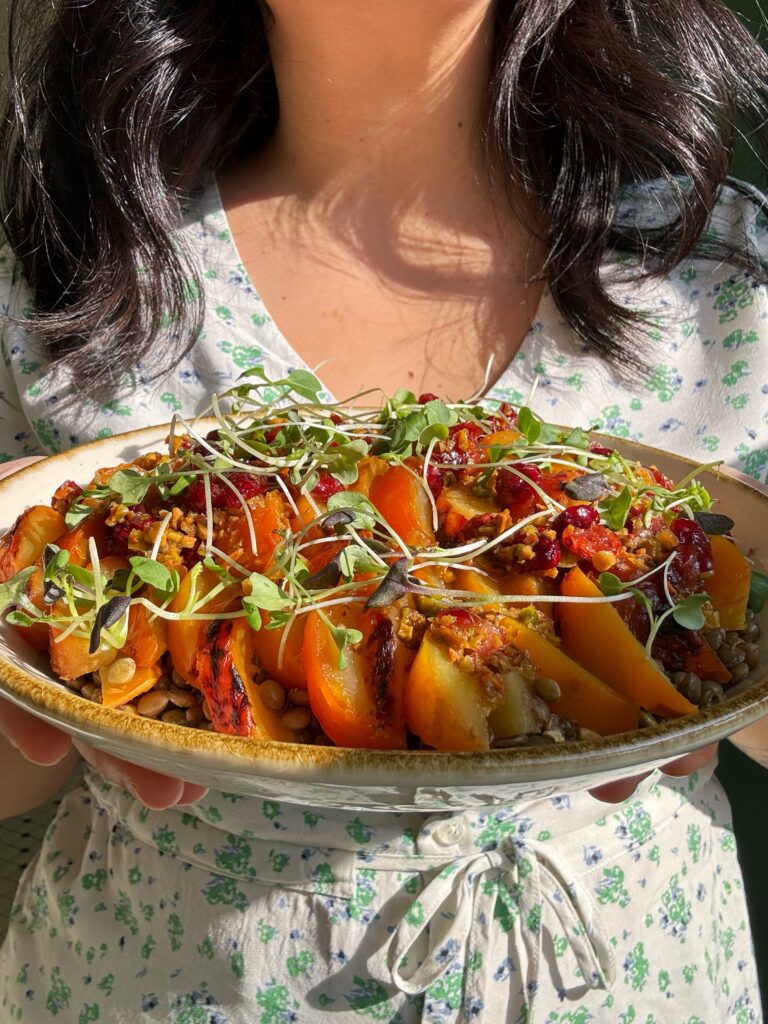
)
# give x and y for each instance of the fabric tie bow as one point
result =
(459, 938)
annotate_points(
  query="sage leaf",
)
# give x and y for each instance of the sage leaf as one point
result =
(107, 616)
(589, 487)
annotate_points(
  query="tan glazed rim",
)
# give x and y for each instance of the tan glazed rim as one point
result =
(53, 702)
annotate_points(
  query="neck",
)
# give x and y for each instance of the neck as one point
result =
(395, 89)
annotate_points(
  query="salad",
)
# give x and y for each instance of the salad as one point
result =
(423, 575)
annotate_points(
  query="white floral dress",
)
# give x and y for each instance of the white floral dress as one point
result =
(557, 910)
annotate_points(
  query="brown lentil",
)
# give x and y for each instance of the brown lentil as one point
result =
(91, 692)
(740, 672)
(182, 698)
(163, 683)
(297, 718)
(152, 704)
(272, 694)
(299, 698)
(689, 684)
(179, 680)
(711, 693)
(175, 716)
(207, 709)
(715, 637)
(731, 655)
(194, 716)
(751, 655)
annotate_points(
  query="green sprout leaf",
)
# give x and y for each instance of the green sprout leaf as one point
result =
(577, 439)
(265, 594)
(689, 614)
(529, 424)
(54, 560)
(305, 384)
(131, 485)
(219, 570)
(355, 558)
(12, 590)
(155, 574)
(363, 512)
(614, 512)
(609, 584)
(343, 636)
(758, 590)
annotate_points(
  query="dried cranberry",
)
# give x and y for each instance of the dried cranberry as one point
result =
(474, 430)
(546, 554)
(461, 448)
(688, 531)
(511, 490)
(248, 484)
(336, 419)
(427, 396)
(434, 480)
(661, 479)
(581, 517)
(325, 487)
(599, 449)
(118, 536)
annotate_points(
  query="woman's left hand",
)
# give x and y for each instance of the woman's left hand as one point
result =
(615, 792)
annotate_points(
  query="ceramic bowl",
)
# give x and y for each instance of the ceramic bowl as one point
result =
(366, 779)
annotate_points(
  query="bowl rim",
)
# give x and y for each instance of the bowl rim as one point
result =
(52, 701)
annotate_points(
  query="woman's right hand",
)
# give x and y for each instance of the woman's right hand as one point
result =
(48, 747)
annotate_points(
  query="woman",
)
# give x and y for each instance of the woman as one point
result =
(438, 183)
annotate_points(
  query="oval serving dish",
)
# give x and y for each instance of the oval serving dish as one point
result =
(368, 779)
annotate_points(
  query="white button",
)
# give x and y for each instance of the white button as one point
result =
(448, 833)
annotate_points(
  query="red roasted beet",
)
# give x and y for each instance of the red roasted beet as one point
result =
(581, 517)
(325, 487)
(546, 554)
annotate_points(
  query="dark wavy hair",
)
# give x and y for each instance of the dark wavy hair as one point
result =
(117, 112)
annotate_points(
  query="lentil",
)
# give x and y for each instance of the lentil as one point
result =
(175, 716)
(153, 704)
(299, 698)
(297, 718)
(272, 694)
(182, 698)
(740, 672)
(689, 684)
(194, 716)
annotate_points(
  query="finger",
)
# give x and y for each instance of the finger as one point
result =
(11, 467)
(154, 790)
(691, 762)
(192, 793)
(618, 791)
(39, 742)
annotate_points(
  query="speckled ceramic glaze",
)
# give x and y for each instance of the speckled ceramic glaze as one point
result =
(330, 776)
